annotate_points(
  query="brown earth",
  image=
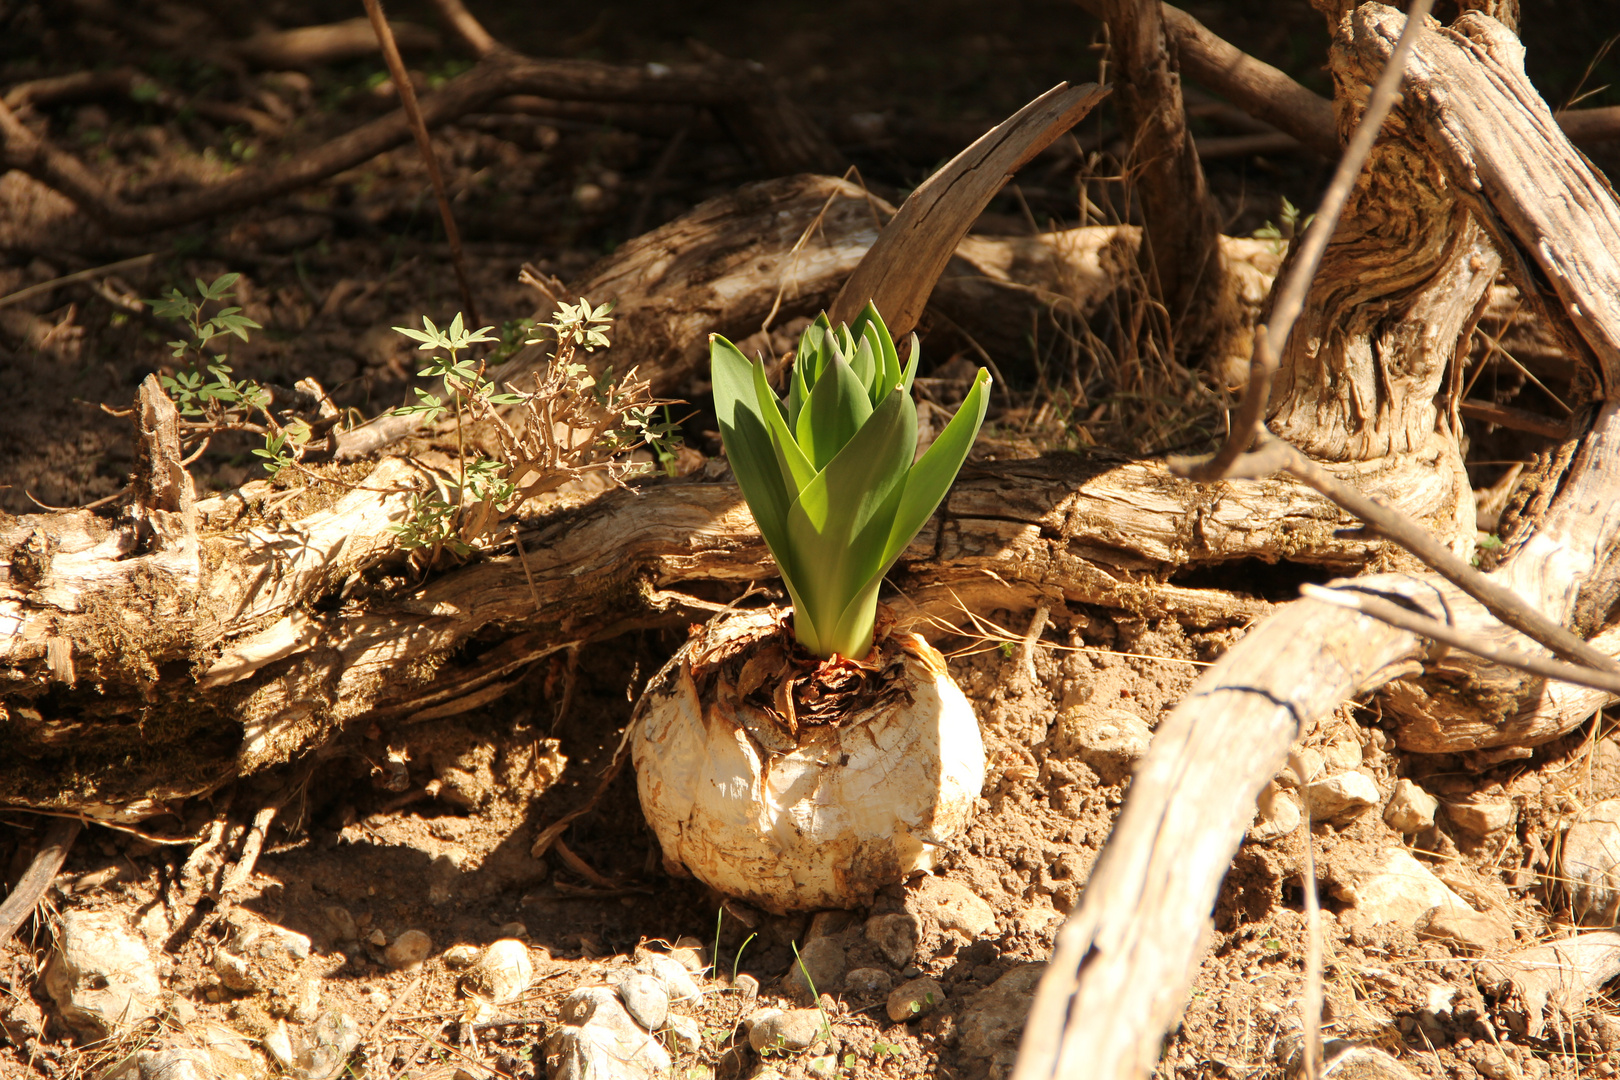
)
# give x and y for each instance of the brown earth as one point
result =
(429, 827)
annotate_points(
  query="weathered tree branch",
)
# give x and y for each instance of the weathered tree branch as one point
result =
(1125, 957)
(784, 139)
(1269, 94)
(899, 272)
(269, 662)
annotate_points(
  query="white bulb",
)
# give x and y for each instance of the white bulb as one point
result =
(823, 821)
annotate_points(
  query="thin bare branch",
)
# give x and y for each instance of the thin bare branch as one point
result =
(413, 112)
(1269, 94)
(467, 27)
(1310, 1002)
(900, 270)
(67, 279)
(497, 76)
(31, 888)
(1261, 90)
(1502, 602)
(1387, 611)
(1179, 257)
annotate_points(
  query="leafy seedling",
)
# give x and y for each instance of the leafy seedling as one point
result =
(829, 473)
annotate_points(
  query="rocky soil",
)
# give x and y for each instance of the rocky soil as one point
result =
(396, 922)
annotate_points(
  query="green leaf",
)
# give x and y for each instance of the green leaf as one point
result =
(414, 335)
(865, 366)
(806, 359)
(236, 324)
(814, 349)
(837, 408)
(798, 393)
(830, 474)
(790, 459)
(748, 447)
(869, 325)
(837, 525)
(931, 477)
(217, 291)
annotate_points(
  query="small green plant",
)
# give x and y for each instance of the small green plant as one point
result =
(736, 961)
(826, 1021)
(570, 424)
(928, 999)
(1292, 225)
(829, 473)
(205, 388)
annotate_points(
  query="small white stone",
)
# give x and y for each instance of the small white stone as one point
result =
(503, 973)
(1589, 862)
(685, 1034)
(408, 950)
(954, 906)
(1341, 797)
(1396, 889)
(1411, 809)
(818, 969)
(102, 975)
(1111, 741)
(175, 1063)
(868, 982)
(1277, 815)
(307, 1000)
(895, 936)
(676, 979)
(1484, 930)
(279, 1045)
(598, 1039)
(342, 923)
(689, 957)
(645, 999)
(1479, 819)
(1342, 755)
(234, 971)
(795, 1029)
(461, 956)
(328, 1042)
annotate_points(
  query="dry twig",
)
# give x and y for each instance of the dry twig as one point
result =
(30, 889)
(900, 270)
(413, 112)
(1402, 618)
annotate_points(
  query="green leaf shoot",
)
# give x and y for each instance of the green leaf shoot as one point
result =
(831, 474)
